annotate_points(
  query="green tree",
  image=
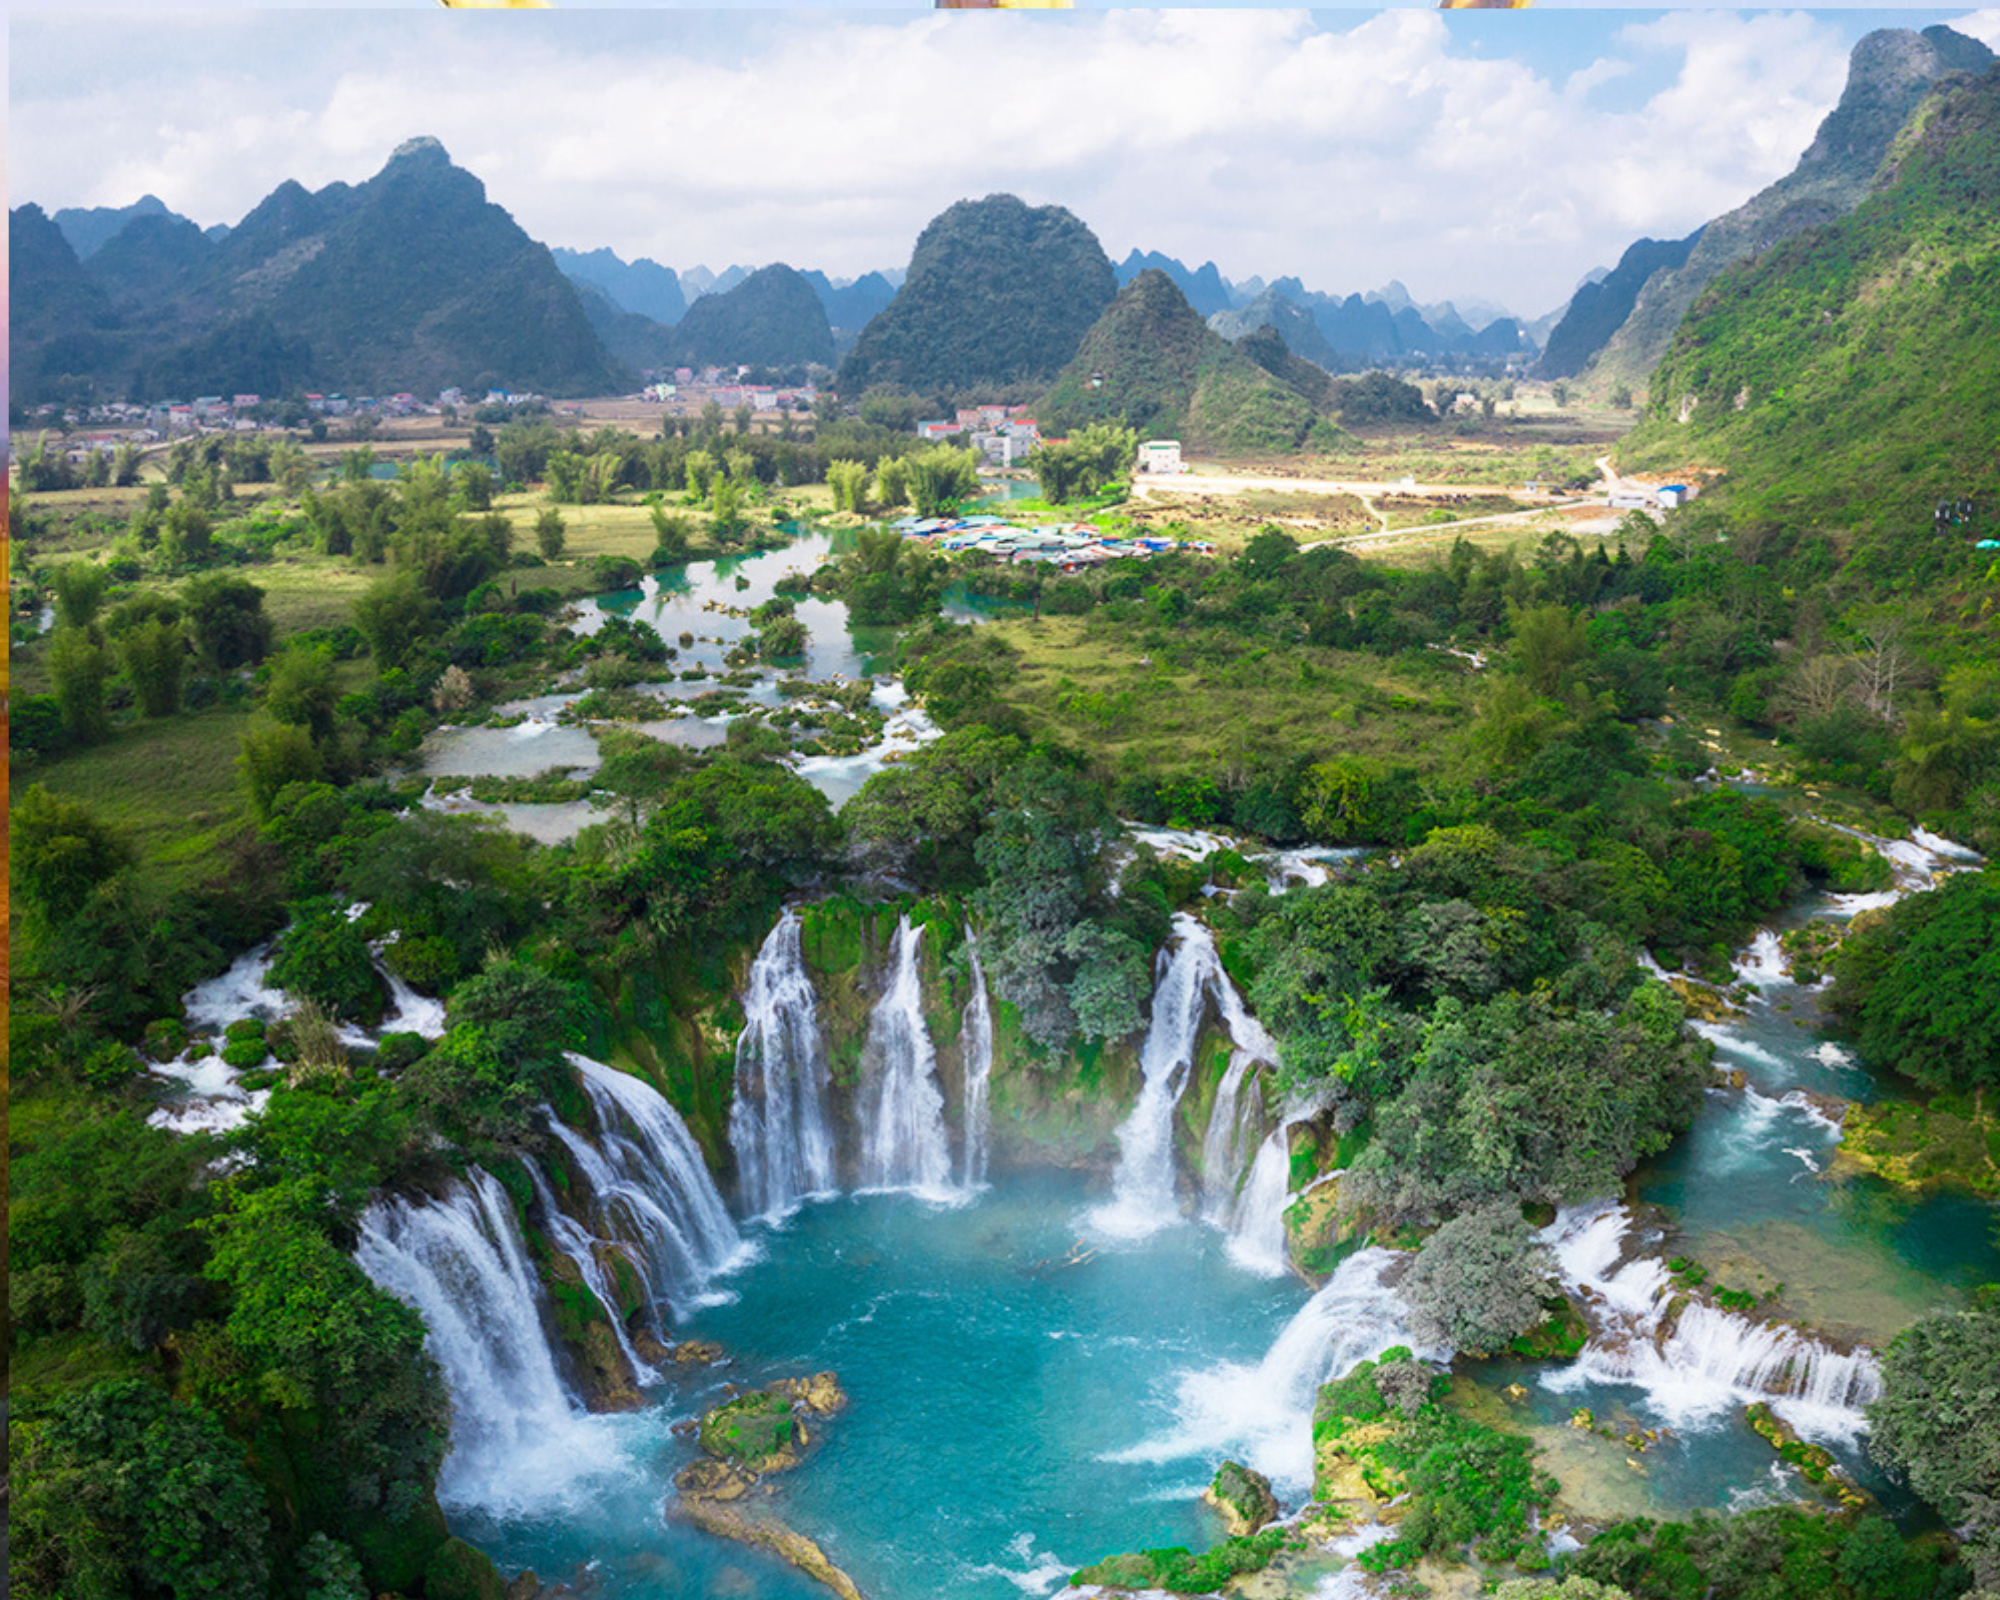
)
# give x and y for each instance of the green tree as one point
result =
(849, 482)
(942, 479)
(1479, 1281)
(303, 690)
(549, 533)
(225, 617)
(271, 756)
(78, 667)
(118, 1491)
(78, 592)
(393, 614)
(60, 850)
(892, 481)
(155, 658)
(1922, 984)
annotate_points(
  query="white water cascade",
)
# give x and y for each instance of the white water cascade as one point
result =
(1234, 1123)
(778, 1125)
(977, 1035)
(1703, 1363)
(1261, 1413)
(1142, 1192)
(903, 1140)
(1257, 1225)
(651, 1189)
(573, 1240)
(459, 1263)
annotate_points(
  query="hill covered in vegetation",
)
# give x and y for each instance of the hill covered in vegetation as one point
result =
(1152, 362)
(1766, 377)
(413, 280)
(773, 318)
(999, 296)
(1889, 74)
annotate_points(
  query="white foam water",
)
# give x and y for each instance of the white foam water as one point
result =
(977, 1034)
(520, 1442)
(1142, 1197)
(903, 1139)
(1703, 1364)
(777, 1122)
(1764, 964)
(1261, 1413)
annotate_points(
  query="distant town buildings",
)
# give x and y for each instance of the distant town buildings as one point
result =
(1003, 435)
(1161, 455)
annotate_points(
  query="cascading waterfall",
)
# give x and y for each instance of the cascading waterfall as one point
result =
(650, 1189)
(978, 1060)
(664, 1161)
(1704, 1362)
(1257, 1224)
(1233, 1123)
(568, 1236)
(459, 1263)
(777, 1125)
(1261, 1413)
(1142, 1193)
(903, 1140)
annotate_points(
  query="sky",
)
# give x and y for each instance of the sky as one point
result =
(1494, 156)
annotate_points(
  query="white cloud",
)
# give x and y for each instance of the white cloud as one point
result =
(1981, 25)
(1274, 142)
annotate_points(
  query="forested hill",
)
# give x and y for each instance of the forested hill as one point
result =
(1152, 362)
(772, 318)
(1889, 74)
(1849, 380)
(1598, 310)
(413, 280)
(999, 295)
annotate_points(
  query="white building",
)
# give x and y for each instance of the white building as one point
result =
(1161, 455)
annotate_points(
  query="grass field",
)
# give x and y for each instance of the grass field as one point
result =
(1089, 681)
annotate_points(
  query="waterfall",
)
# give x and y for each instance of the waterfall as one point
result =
(650, 1189)
(1142, 1193)
(459, 1263)
(1257, 1225)
(903, 1143)
(1705, 1361)
(1261, 1413)
(978, 1059)
(777, 1125)
(1763, 965)
(568, 1236)
(1233, 1122)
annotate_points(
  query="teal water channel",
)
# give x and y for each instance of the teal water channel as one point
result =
(691, 607)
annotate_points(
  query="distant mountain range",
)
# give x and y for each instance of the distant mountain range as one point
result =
(410, 281)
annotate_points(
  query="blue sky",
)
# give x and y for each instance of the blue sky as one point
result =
(1496, 154)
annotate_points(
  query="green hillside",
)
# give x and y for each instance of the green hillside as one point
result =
(1849, 379)
(773, 318)
(999, 295)
(1151, 361)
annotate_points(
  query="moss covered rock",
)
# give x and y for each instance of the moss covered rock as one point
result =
(757, 1431)
(1243, 1496)
(458, 1571)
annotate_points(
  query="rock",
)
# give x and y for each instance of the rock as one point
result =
(525, 1586)
(1515, 1392)
(821, 1394)
(1243, 1497)
(698, 1353)
(1583, 1417)
(709, 1479)
(766, 1532)
(757, 1430)
(686, 1428)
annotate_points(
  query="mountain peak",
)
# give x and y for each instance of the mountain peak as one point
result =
(422, 148)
